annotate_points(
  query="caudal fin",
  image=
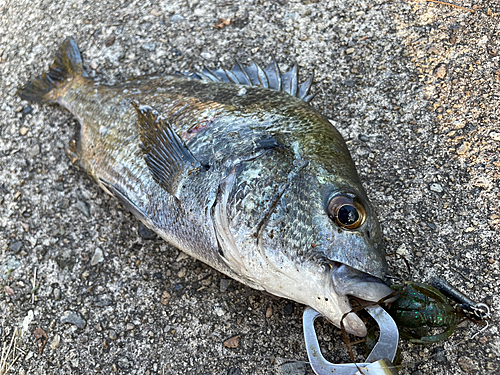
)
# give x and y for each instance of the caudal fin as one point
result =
(67, 64)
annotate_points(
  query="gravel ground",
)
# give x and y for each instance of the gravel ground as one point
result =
(414, 88)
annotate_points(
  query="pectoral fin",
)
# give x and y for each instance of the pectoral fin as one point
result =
(169, 161)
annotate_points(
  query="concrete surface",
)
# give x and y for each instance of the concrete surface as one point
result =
(412, 85)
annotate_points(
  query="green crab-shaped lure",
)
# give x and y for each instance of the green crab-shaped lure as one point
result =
(420, 307)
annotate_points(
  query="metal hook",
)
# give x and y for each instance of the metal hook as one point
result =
(481, 330)
(481, 310)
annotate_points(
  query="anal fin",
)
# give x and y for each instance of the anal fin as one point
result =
(123, 198)
(169, 161)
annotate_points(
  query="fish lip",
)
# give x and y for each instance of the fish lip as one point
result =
(348, 281)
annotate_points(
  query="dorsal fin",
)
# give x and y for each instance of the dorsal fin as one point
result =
(169, 161)
(273, 75)
(289, 80)
(253, 75)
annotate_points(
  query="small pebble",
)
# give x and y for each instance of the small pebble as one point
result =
(83, 208)
(41, 339)
(440, 71)
(165, 298)
(110, 41)
(103, 300)
(27, 110)
(176, 18)
(182, 272)
(269, 312)
(464, 148)
(467, 365)
(363, 138)
(149, 47)
(56, 341)
(34, 151)
(15, 246)
(130, 326)
(349, 82)
(57, 294)
(288, 310)
(23, 130)
(97, 258)
(224, 284)
(232, 342)
(433, 50)
(491, 367)
(146, 233)
(440, 355)
(219, 311)
(155, 12)
(112, 335)
(206, 55)
(234, 371)
(73, 318)
(181, 256)
(349, 51)
(124, 363)
(8, 290)
(436, 188)
(495, 136)
(207, 281)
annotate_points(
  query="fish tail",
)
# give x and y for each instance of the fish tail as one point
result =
(67, 64)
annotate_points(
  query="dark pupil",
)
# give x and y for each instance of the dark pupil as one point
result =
(348, 214)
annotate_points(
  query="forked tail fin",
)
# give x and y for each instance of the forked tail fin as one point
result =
(67, 64)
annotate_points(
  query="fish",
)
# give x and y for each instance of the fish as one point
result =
(235, 168)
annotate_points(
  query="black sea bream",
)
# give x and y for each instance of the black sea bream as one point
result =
(234, 168)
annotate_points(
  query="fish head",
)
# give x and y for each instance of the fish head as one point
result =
(331, 238)
(314, 237)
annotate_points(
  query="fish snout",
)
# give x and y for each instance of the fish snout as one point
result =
(349, 282)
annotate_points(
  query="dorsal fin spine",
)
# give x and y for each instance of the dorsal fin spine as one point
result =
(295, 79)
(232, 77)
(244, 72)
(305, 87)
(262, 77)
(207, 72)
(269, 77)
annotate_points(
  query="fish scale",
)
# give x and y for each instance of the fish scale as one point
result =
(235, 168)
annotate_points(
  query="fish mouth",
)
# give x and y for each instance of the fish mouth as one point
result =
(349, 282)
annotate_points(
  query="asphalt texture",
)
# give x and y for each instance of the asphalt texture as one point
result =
(412, 85)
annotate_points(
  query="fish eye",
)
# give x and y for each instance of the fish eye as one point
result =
(346, 211)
